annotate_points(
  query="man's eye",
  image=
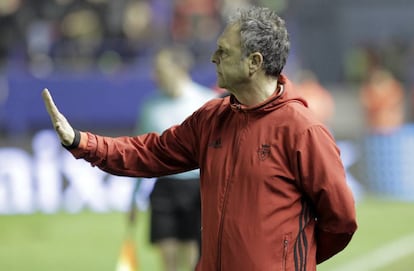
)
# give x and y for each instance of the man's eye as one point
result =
(222, 52)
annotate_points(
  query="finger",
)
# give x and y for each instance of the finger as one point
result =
(49, 103)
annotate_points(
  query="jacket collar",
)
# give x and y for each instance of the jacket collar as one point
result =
(284, 93)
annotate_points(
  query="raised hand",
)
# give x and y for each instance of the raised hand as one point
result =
(60, 123)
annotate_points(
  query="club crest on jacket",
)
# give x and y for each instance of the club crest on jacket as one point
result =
(263, 151)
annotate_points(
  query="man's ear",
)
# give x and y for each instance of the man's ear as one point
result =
(255, 62)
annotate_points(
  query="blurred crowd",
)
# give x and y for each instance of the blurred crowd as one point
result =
(50, 35)
(104, 34)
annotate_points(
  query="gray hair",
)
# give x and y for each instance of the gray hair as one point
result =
(263, 31)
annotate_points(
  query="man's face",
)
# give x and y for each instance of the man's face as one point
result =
(231, 67)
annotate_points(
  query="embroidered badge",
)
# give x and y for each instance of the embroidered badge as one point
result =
(264, 152)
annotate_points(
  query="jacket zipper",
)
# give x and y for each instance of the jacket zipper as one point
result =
(285, 252)
(221, 226)
(226, 192)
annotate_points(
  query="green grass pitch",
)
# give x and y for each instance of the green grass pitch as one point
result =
(91, 241)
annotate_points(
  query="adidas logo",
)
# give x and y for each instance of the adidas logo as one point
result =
(215, 144)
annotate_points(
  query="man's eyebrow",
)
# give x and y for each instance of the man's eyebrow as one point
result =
(222, 46)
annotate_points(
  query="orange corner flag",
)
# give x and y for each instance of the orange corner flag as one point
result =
(127, 260)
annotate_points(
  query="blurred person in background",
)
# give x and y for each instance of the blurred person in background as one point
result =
(82, 34)
(132, 30)
(273, 188)
(382, 100)
(319, 99)
(175, 199)
(9, 32)
(195, 24)
(387, 146)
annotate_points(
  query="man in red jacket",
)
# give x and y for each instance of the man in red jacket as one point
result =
(273, 188)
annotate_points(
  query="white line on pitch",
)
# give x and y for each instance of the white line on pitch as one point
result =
(382, 256)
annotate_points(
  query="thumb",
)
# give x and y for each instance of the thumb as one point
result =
(50, 104)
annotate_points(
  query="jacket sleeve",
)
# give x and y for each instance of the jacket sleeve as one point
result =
(321, 175)
(147, 155)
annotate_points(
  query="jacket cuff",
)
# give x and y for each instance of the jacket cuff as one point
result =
(75, 142)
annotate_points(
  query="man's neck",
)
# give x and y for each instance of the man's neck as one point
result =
(257, 92)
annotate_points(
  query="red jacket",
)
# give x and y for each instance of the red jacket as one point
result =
(274, 194)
